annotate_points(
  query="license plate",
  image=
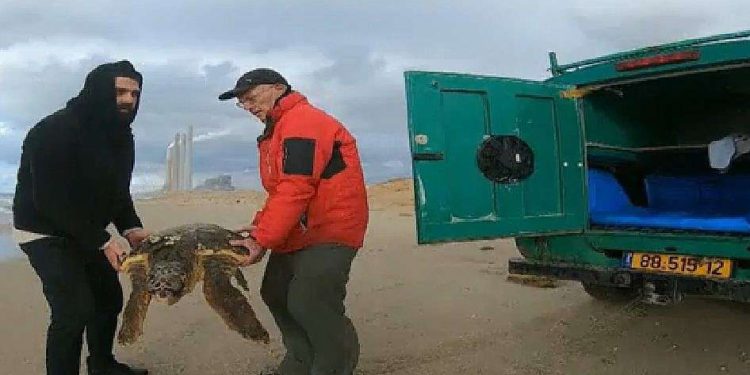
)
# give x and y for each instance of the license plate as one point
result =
(681, 265)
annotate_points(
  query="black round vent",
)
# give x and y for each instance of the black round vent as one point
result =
(505, 159)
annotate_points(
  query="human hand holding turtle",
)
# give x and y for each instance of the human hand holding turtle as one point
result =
(256, 251)
(137, 236)
(115, 253)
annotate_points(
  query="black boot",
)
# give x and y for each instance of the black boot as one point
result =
(109, 366)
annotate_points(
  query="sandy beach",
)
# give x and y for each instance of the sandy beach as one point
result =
(444, 309)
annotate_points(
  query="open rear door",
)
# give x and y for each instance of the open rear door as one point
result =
(493, 157)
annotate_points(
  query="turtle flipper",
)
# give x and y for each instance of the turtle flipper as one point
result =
(133, 260)
(229, 302)
(135, 310)
(241, 280)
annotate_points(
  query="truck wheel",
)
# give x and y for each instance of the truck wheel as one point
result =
(610, 293)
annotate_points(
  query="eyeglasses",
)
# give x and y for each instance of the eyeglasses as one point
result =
(244, 102)
(241, 103)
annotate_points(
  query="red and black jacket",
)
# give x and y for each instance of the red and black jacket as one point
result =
(309, 165)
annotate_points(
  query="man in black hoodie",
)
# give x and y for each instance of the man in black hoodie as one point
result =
(73, 181)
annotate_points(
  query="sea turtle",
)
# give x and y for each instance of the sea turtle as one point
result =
(168, 264)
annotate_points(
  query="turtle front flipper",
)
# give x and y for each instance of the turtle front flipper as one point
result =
(133, 260)
(135, 310)
(228, 301)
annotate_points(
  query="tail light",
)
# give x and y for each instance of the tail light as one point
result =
(647, 62)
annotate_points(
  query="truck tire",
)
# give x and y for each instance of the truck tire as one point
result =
(610, 293)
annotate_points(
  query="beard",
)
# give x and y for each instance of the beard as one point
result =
(125, 115)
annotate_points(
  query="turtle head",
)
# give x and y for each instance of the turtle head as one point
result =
(167, 280)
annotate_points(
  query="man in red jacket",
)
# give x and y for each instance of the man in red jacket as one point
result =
(313, 221)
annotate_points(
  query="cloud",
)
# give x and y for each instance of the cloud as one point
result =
(347, 57)
(4, 129)
(212, 135)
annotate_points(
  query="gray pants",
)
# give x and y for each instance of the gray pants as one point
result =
(305, 293)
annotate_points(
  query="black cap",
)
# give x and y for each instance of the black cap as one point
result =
(253, 78)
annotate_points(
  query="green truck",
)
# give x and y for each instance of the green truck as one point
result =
(629, 173)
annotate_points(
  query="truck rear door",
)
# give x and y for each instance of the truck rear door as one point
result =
(493, 157)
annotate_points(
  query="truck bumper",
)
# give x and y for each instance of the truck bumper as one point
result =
(735, 290)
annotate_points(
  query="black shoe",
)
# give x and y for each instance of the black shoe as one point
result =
(110, 366)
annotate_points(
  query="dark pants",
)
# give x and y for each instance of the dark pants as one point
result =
(83, 293)
(305, 292)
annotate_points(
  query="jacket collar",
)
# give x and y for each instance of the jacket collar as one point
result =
(283, 105)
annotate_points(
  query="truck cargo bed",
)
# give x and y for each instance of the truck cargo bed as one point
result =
(718, 203)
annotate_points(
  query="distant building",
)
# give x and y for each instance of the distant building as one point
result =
(179, 162)
(222, 182)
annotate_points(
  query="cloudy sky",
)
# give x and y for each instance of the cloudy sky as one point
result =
(348, 57)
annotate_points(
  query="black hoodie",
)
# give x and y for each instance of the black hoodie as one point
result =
(76, 166)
